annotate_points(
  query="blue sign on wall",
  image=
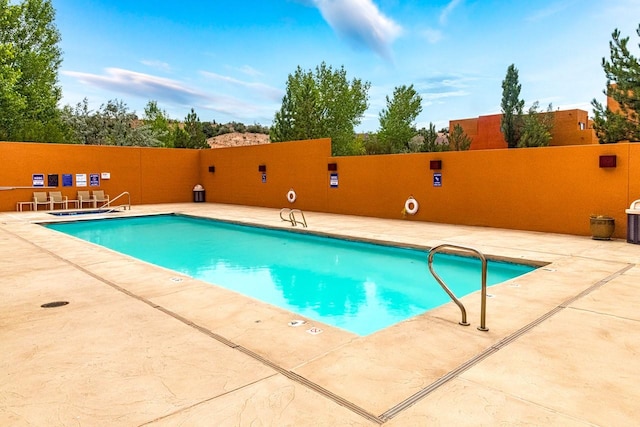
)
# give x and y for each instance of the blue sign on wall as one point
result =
(67, 180)
(264, 177)
(333, 180)
(38, 179)
(437, 179)
(94, 180)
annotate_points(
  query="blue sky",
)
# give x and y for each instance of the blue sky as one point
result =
(229, 60)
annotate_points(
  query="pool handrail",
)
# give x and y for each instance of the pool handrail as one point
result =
(292, 217)
(125, 206)
(483, 304)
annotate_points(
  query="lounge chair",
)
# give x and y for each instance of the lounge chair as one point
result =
(85, 197)
(56, 198)
(100, 197)
(40, 198)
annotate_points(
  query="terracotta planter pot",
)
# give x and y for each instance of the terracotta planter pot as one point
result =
(602, 227)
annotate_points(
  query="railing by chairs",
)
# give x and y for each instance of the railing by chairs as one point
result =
(125, 206)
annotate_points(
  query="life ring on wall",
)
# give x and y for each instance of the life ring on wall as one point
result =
(411, 206)
(291, 196)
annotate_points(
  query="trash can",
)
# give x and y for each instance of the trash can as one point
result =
(633, 222)
(198, 194)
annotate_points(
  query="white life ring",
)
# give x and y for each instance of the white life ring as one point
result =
(291, 196)
(411, 206)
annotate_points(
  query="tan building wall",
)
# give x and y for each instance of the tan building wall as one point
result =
(551, 189)
(570, 127)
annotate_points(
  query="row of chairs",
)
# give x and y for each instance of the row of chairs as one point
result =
(55, 198)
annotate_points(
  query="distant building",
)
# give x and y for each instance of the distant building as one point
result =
(570, 127)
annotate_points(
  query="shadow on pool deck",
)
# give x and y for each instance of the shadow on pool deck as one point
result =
(138, 344)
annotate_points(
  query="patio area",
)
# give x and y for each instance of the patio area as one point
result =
(142, 345)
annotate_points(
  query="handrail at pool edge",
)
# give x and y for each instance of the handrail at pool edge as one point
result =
(125, 206)
(292, 217)
(483, 305)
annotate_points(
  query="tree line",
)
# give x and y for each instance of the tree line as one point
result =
(317, 103)
(114, 124)
(325, 103)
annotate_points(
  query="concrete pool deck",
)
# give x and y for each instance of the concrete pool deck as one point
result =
(142, 345)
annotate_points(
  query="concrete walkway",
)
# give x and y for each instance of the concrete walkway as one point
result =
(142, 345)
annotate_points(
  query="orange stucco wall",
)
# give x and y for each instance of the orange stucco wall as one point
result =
(301, 166)
(150, 175)
(551, 189)
(570, 127)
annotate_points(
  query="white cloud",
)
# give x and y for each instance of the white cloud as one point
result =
(444, 15)
(261, 88)
(441, 95)
(250, 71)
(175, 95)
(140, 84)
(361, 23)
(550, 10)
(159, 65)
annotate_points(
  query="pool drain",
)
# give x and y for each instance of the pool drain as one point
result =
(54, 304)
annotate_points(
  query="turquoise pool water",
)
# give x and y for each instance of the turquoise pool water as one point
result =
(355, 286)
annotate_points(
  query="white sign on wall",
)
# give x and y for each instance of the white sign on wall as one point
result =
(81, 180)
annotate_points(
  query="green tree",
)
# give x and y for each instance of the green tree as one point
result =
(322, 104)
(371, 143)
(258, 128)
(458, 139)
(512, 107)
(82, 125)
(623, 85)
(112, 124)
(397, 120)
(431, 141)
(193, 128)
(180, 137)
(29, 63)
(11, 102)
(158, 122)
(536, 127)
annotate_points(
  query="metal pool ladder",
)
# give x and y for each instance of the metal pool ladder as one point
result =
(125, 206)
(292, 216)
(483, 305)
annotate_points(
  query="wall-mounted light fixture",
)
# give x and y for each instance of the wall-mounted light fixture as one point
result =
(262, 168)
(608, 161)
(332, 166)
(212, 169)
(435, 164)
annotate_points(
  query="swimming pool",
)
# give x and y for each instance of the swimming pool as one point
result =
(359, 287)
